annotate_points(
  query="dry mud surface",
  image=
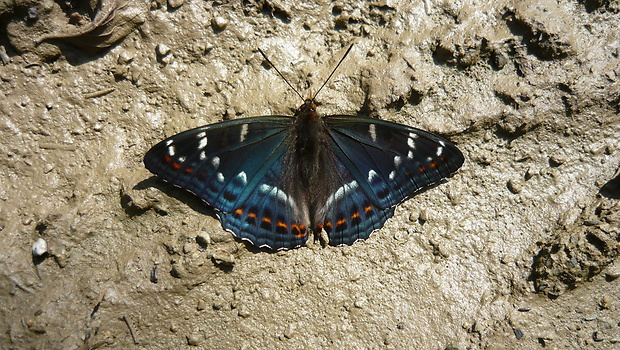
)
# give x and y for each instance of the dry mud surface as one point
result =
(517, 250)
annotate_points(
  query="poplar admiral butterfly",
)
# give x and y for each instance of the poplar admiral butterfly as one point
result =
(274, 180)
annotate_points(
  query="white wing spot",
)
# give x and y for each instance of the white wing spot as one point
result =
(171, 150)
(201, 135)
(442, 143)
(243, 177)
(372, 130)
(392, 175)
(215, 161)
(410, 155)
(371, 175)
(278, 194)
(168, 143)
(397, 161)
(244, 132)
(341, 192)
(203, 155)
(439, 151)
(413, 135)
(429, 159)
(411, 143)
(220, 177)
(344, 189)
(202, 143)
(182, 159)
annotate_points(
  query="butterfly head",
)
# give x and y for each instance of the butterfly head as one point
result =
(308, 106)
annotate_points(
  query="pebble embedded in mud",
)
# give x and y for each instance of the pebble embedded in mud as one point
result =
(223, 258)
(243, 311)
(203, 239)
(175, 3)
(162, 50)
(515, 185)
(39, 248)
(194, 339)
(219, 23)
(606, 302)
(201, 305)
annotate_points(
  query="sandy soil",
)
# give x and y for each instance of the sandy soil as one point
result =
(517, 250)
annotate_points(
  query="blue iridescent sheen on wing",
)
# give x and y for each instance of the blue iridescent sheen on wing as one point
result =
(380, 164)
(272, 180)
(236, 167)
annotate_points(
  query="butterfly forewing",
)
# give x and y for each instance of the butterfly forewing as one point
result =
(391, 161)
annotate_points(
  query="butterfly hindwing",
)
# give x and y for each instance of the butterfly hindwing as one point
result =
(348, 214)
(269, 217)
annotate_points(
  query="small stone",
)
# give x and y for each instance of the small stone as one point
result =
(612, 273)
(219, 305)
(223, 258)
(201, 305)
(175, 3)
(530, 173)
(359, 303)
(188, 248)
(219, 23)
(518, 333)
(605, 302)
(243, 311)
(162, 50)
(125, 57)
(524, 309)
(203, 239)
(557, 160)
(289, 331)
(515, 185)
(39, 248)
(193, 339)
(591, 222)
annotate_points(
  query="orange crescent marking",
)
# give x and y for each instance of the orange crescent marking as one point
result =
(176, 165)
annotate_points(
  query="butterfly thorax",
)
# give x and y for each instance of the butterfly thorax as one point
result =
(309, 167)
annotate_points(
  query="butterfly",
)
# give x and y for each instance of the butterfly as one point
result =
(274, 180)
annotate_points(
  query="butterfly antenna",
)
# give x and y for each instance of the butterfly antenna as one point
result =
(276, 68)
(334, 71)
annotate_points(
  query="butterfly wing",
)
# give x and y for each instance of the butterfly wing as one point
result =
(381, 164)
(236, 167)
(349, 215)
